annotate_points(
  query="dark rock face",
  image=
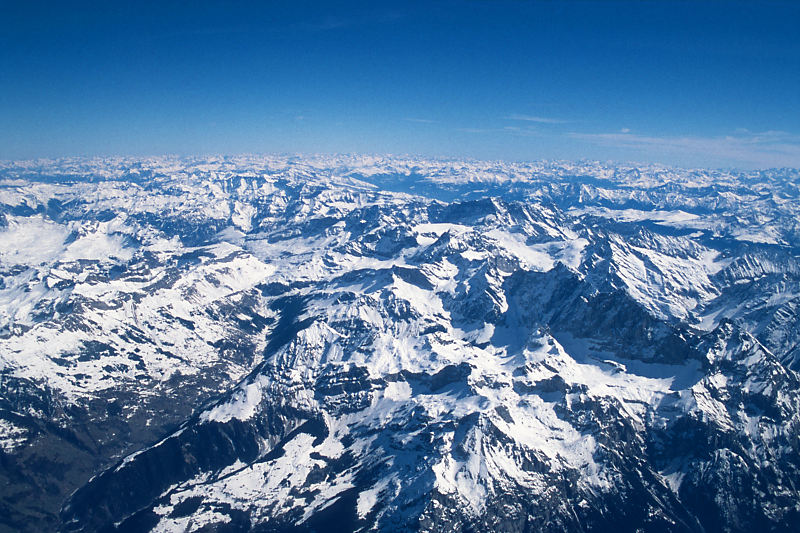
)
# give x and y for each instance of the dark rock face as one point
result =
(403, 345)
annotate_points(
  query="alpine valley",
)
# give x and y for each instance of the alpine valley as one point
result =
(359, 343)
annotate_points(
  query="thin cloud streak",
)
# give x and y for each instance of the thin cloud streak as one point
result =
(507, 130)
(765, 149)
(333, 22)
(479, 130)
(420, 120)
(538, 120)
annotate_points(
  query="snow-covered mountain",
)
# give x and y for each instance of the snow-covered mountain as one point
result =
(364, 343)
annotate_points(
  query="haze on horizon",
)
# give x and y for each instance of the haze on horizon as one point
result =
(691, 83)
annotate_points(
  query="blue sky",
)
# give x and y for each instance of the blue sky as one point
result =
(692, 83)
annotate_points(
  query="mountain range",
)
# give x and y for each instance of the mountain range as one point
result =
(385, 343)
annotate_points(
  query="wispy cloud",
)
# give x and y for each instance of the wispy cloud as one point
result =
(479, 130)
(757, 149)
(420, 120)
(349, 21)
(538, 120)
(505, 130)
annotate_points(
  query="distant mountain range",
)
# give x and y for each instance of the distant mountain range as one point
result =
(361, 343)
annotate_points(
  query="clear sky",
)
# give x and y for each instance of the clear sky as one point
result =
(696, 83)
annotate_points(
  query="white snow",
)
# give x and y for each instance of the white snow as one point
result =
(31, 240)
(242, 406)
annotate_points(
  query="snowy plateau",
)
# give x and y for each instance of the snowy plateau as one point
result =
(353, 343)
